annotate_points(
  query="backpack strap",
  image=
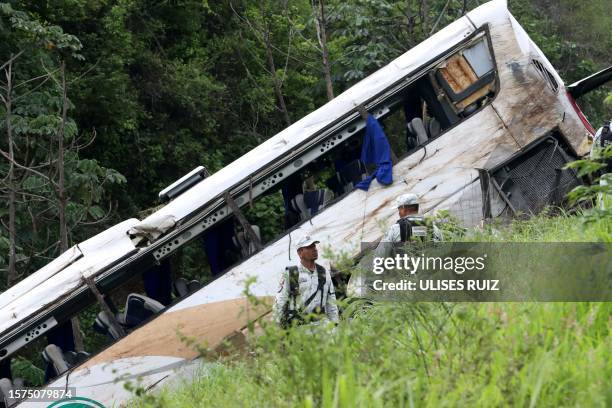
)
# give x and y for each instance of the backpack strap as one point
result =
(290, 314)
(413, 227)
(405, 229)
(294, 284)
(321, 280)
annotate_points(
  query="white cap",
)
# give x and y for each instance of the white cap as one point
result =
(407, 199)
(305, 241)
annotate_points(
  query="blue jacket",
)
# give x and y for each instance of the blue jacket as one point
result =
(376, 150)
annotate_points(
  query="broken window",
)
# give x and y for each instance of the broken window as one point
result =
(468, 78)
(453, 90)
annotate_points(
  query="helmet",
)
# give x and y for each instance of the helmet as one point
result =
(407, 199)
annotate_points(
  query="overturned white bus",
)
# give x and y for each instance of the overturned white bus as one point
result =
(492, 125)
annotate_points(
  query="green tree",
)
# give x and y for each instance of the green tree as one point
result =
(51, 190)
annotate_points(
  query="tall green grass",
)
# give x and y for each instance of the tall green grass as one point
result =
(427, 354)
(546, 227)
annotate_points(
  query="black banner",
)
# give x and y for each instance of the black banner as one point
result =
(486, 272)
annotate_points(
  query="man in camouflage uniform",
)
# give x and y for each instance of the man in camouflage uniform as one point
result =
(411, 227)
(305, 289)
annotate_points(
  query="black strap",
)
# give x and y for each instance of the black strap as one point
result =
(405, 229)
(290, 315)
(294, 284)
(406, 224)
(321, 279)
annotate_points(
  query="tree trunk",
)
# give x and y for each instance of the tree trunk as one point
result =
(321, 25)
(62, 198)
(61, 185)
(12, 267)
(425, 16)
(272, 68)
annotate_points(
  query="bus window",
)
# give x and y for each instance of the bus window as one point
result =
(454, 90)
(468, 78)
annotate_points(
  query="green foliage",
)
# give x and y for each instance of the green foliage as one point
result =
(559, 30)
(268, 213)
(599, 193)
(4, 250)
(39, 34)
(37, 50)
(586, 167)
(92, 340)
(31, 374)
(546, 227)
(449, 226)
(192, 263)
(373, 32)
